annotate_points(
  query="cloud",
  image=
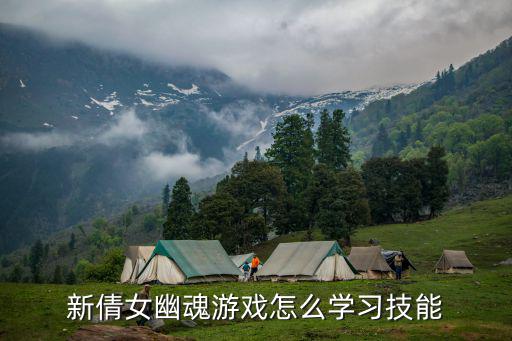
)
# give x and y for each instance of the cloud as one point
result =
(163, 167)
(126, 127)
(298, 47)
(239, 119)
(37, 141)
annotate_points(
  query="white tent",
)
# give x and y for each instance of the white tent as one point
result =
(136, 258)
(188, 261)
(454, 262)
(370, 262)
(308, 261)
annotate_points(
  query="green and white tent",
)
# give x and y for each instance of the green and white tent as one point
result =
(240, 259)
(308, 261)
(188, 261)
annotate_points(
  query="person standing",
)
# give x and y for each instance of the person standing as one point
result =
(148, 309)
(246, 268)
(398, 265)
(254, 266)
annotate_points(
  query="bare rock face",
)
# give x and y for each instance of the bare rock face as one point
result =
(117, 333)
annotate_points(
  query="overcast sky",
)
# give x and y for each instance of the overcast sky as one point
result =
(296, 47)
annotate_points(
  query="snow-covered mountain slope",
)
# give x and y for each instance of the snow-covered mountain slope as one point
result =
(348, 100)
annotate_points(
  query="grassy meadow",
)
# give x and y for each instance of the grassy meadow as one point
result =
(474, 306)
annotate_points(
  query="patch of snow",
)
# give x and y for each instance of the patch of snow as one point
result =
(110, 102)
(192, 91)
(364, 97)
(22, 85)
(146, 103)
(245, 143)
(46, 124)
(218, 93)
(146, 85)
(75, 117)
(165, 101)
(87, 106)
(263, 125)
(147, 92)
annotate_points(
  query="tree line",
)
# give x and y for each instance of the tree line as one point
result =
(307, 181)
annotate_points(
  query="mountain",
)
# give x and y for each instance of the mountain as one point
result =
(468, 111)
(86, 132)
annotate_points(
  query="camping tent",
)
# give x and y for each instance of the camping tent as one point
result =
(389, 256)
(240, 259)
(452, 261)
(370, 262)
(188, 261)
(136, 258)
(308, 261)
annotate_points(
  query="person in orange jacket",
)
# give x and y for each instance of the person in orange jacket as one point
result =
(254, 266)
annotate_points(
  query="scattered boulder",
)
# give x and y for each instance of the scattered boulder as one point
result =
(156, 324)
(188, 323)
(116, 333)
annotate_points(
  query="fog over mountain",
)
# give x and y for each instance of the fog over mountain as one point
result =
(292, 47)
(86, 131)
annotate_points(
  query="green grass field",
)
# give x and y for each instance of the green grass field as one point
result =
(474, 306)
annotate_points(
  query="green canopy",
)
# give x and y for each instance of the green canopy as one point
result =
(197, 258)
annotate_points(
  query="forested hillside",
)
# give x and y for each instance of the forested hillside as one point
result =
(468, 111)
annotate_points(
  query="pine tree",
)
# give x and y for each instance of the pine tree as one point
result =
(450, 79)
(57, 275)
(36, 261)
(180, 211)
(258, 156)
(293, 152)
(437, 184)
(70, 277)
(382, 143)
(16, 274)
(72, 241)
(340, 141)
(418, 132)
(324, 139)
(166, 193)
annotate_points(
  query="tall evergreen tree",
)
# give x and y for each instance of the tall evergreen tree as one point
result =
(258, 156)
(70, 277)
(324, 139)
(336, 202)
(437, 186)
(450, 79)
(72, 241)
(418, 132)
(340, 141)
(36, 260)
(166, 196)
(180, 211)
(382, 143)
(333, 141)
(57, 275)
(16, 274)
(293, 152)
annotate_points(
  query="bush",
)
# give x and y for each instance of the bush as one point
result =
(108, 270)
(150, 222)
